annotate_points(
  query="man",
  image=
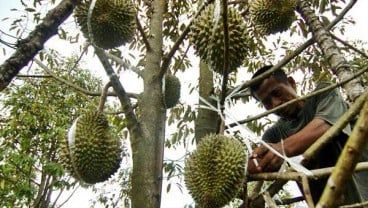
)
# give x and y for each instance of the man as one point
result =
(299, 126)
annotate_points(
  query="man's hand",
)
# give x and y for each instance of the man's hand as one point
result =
(267, 160)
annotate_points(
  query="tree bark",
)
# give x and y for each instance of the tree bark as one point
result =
(148, 150)
(347, 161)
(337, 61)
(207, 120)
(30, 46)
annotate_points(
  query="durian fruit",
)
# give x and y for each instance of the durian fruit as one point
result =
(272, 16)
(90, 153)
(172, 91)
(207, 37)
(65, 159)
(112, 22)
(215, 171)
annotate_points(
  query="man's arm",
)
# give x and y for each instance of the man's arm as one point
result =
(293, 145)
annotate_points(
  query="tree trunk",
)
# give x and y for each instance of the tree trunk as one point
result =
(207, 120)
(338, 63)
(148, 150)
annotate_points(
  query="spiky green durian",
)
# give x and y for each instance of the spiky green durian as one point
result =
(112, 22)
(65, 160)
(207, 38)
(172, 90)
(272, 16)
(91, 154)
(215, 171)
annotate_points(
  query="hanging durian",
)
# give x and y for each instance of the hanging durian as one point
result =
(112, 22)
(172, 91)
(90, 153)
(272, 16)
(207, 38)
(215, 171)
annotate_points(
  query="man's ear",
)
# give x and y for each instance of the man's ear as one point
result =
(292, 82)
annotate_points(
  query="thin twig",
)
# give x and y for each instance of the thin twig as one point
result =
(225, 68)
(69, 197)
(143, 34)
(357, 205)
(33, 76)
(76, 87)
(295, 176)
(307, 191)
(256, 189)
(121, 62)
(290, 201)
(268, 199)
(350, 46)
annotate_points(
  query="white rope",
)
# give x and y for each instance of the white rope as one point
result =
(251, 136)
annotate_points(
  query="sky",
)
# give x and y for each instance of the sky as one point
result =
(175, 198)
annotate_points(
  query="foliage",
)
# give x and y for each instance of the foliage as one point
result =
(37, 112)
(36, 115)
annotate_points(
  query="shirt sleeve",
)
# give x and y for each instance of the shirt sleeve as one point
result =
(330, 107)
(270, 136)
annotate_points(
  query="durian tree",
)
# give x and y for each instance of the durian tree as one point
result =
(158, 39)
(35, 116)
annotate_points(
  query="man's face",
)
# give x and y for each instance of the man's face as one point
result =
(273, 93)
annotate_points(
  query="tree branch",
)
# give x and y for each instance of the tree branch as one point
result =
(76, 87)
(103, 97)
(225, 68)
(350, 46)
(126, 65)
(338, 63)
(143, 34)
(317, 92)
(335, 129)
(297, 51)
(33, 76)
(347, 161)
(296, 176)
(132, 121)
(30, 46)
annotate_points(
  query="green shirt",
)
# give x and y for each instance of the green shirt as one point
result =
(328, 106)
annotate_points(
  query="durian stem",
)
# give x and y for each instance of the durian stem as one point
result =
(132, 120)
(225, 68)
(103, 97)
